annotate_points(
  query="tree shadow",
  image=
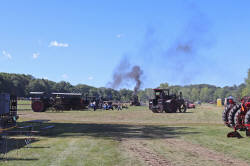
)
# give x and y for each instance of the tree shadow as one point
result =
(112, 131)
(17, 159)
(115, 132)
(8, 144)
(38, 147)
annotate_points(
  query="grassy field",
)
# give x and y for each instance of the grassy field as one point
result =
(135, 136)
(24, 105)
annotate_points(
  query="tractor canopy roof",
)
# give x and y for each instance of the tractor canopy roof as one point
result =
(37, 93)
(67, 94)
(158, 90)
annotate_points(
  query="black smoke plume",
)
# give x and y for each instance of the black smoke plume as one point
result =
(124, 74)
(177, 58)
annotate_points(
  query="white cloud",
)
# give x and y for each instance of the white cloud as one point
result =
(6, 54)
(35, 55)
(90, 78)
(120, 35)
(57, 44)
(65, 76)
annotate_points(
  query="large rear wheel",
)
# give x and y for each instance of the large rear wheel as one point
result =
(231, 115)
(225, 115)
(154, 111)
(239, 120)
(38, 106)
(161, 109)
(247, 123)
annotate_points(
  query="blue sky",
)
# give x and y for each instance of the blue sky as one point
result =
(84, 41)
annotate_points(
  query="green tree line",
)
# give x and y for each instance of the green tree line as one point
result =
(21, 85)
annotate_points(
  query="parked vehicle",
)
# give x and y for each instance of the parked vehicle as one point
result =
(190, 104)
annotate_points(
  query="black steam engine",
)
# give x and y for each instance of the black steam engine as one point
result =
(41, 101)
(164, 101)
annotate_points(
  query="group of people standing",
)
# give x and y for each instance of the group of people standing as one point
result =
(105, 105)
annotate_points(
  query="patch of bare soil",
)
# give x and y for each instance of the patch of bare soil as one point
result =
(141, 151)
(205, 153)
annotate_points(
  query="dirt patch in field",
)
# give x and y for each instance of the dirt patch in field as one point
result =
(205, 153)
(142, 152)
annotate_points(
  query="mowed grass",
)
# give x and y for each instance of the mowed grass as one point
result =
(206, 114)
(95, 138)
(24, 105)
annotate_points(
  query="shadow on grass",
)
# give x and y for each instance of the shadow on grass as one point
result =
(9, 144)
(17, 159)
(112, 131)
(38, 147)
(107, 131)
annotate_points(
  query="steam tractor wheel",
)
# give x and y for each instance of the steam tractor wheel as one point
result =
(232, 114)
(161, 109)
(154, 111)
(171, 109)
(182, 108)
(238, 120)
(38, 106)
(247, 123)
(225, 115)
(174, 107)
(66, 107)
